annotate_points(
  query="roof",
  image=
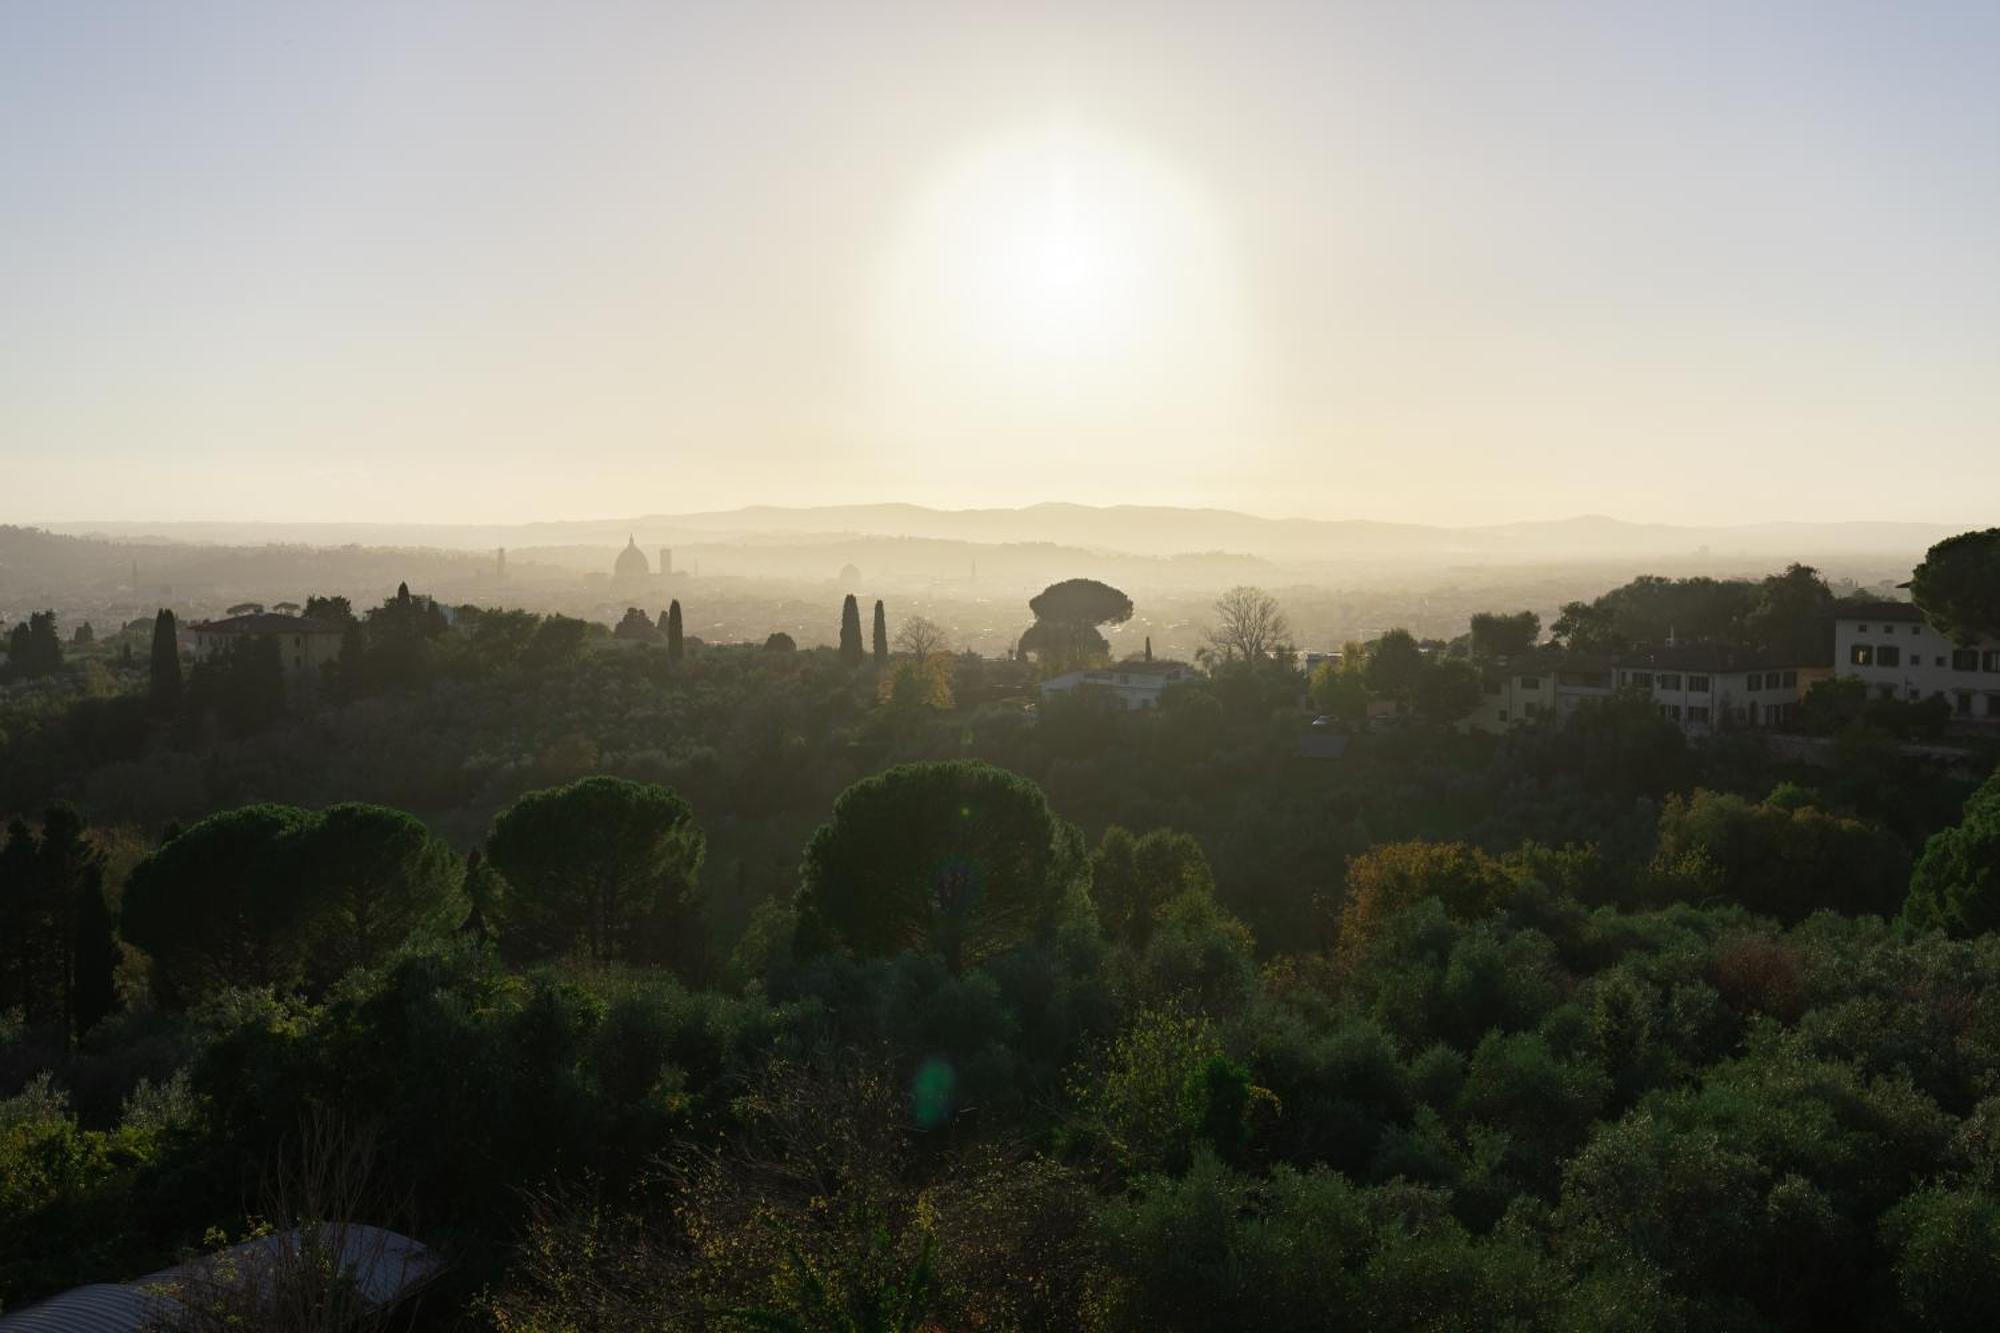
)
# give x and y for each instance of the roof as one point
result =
(384, 1266)
(1145, 668)
(269, 622)
(1713, 657)
(1322, 745)
(1893, 612)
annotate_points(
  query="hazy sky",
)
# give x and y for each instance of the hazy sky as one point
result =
(1426, 261)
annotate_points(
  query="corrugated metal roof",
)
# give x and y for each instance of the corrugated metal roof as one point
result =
(385, 1267)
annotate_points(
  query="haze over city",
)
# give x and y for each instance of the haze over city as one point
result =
(1065, 666)
(1447, 263)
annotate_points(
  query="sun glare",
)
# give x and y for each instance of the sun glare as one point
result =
(1056, 282)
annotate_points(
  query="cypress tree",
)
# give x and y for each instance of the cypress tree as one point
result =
(164, 688)
(850, 632)
(71, 870)
(1149, 647)
(881, 636)
(674, 630)
(17, 912)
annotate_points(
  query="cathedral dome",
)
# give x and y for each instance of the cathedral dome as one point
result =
(632, 564)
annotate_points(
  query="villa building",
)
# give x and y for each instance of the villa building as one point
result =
(1898, 654)
(1135, 685)
(304, 645)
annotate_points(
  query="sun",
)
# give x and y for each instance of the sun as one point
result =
(1053, 282)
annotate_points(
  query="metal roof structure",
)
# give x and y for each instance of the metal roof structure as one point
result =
(384, 1266)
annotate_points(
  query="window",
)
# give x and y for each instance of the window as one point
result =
(1643, 679)
(1671, 712)
(1791, 680)
(1862, 654)
(1962, 704)
(1697, 712)
(1531, 682)
(1698, 684)
(1918, 661)
(1864, 629)
(1753, 682)
(1503, 715)
(1965, 659)
(1991, 662)
(1531, 710)
(1670, 680)
(1888, 654)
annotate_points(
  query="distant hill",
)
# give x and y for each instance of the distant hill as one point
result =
(1131, 529)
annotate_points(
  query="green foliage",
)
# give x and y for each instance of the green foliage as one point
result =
(850, 632)
(1781, 857)
(163, 688)
(1956, 884)
(960, 858)
(602, 867)
(271, 895)
(1495, 635)
(1958, 585)
(1133, 879)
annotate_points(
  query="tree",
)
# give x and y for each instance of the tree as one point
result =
(920, 637)
(602, 867)
(676, 646)
(272, 895)
(243, 685)
(957, 858)
(1340, 688)
(1067, 615)
(216, 906)
(918, 684)
(1395, 663)
(1447, 690)
(1495, 635)
(83, 634)
(20, 914)
(850, 632)
(163, 686)
(1586, 627)
(1958, 585)
(333, 610)
(1791, 617)
(881, 637)
(1133, 879)
(34, 648)
(780, 642)
(558, 641)
(1389, 877)
(1783, 856)
(375, 879)
(81, 954)
(635, 625)
(1956, 884)
(1249, 624)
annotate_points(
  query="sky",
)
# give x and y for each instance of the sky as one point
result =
(1421, 261)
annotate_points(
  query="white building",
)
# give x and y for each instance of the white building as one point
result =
(1704, 686)
(1546, 683)
(1898, 654)
(1135, 685)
